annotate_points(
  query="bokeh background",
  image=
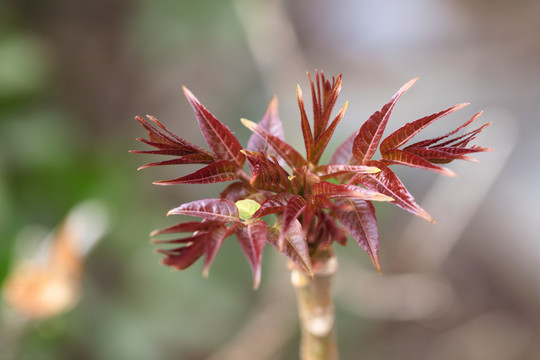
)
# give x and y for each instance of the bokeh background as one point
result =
(74, 73)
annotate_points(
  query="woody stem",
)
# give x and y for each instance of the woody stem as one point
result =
(316, 308)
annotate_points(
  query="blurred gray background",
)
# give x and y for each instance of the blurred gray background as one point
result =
(74, 73)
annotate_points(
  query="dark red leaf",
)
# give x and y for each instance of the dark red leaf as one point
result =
(358, 217)
(284, 150)
(443, 155)
(188, 159)
(370, 134)
(429, 142)
(272, 124)
(323, 103)
(273, 204)
(197, 237)
(211, 209)
(183, 257)
(396, 156)
(163, 139)
(184, 227)
(218, 136)
(252, 239)
(322, 141)
(334, 191)
(296, 247)
(409, 130)
(219, 171)
(237, 191)
(387, 183)
(292, 211)
(212, 243)
(306, 129)
(267, 174)
(334, 170)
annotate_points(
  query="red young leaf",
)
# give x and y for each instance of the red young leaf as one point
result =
(267, 174)
(167, 142)
(191, 226)
(306, 129)
(212, 244)
(272, 124)
(193, 238)
(443, 155)
(335, 191)
(324, 102)
(296, 247)
(322, 141)
(283, 149)
(183, 257)
(218, 136)
(237, 191)
(333, 170)
(396, 156)
(211, 209)
(358, 217)
(409, 130)
(293, 209)
(273, 204)
(252, 239)
(219, 171)
(387, 183)
(187, 159)
(429, 142)
(370, 134)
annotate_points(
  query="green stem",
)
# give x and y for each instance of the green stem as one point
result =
(316, 308)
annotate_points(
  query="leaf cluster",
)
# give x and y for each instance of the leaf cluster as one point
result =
(312, 205)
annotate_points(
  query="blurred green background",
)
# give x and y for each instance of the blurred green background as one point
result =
(74, 73)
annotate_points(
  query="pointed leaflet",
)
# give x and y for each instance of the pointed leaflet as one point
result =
(429, 142)
(252, 239)
(267, 174)
(183, 257)
(191, 226)
(273, 204)
(219, 171)
(272, 124)
(237, 191)
(333, 170)
(293, 209)
(396, 156)
(409, 130)
(218, 136)
(443, 155)
(322, 141)
(210, 209)
(284, 150)
(195, 238)
(212, 243)
(358, 217)
(334, 191)
(296, 247)
(370, 134)
(324, 102)
(166, 141)
(387, 183)
(187, 159)
(306, 129)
